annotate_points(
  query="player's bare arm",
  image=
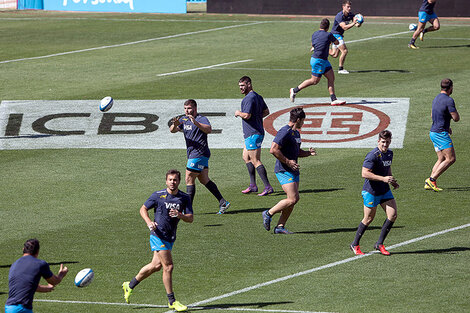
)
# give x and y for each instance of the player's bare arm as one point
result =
(45, 288)
(307, 153)
(367, 173)
(243, 115)
(56, 279)
(276, 151)
(203, 127)
(188, 218)
(145, 216)
(174, 125)
(455, 116)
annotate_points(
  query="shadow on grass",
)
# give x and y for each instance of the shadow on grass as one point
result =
(54, 263)
(340, 230)
(3, 293)
(380, 71)
(458, 188)
(445, 47)
(452, 250)
(225, 306)
(252, 210)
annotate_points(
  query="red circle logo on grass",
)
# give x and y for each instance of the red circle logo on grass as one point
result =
(332, 124)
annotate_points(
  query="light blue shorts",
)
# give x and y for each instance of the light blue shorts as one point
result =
(441, 140)
(157, 244)
(253, 142)
(17, 309)
(371, 201)
(287, 178)
(319, 66)
(424, 17)
(340, 39)
(197, 164)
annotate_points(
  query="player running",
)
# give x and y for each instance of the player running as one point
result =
(286, 148)
(24, 277)
(377, 172)
(425, 14)
(170, 205)
(321, 40)
(443, 111)
(253, 110)
(195, 128)
(344, 20)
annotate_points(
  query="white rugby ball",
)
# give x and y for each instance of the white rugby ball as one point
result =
(84, 277)
(359, 18)
(106, 104)
(412, 27)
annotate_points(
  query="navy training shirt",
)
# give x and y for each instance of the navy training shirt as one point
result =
(442, 105)
(380, 163)
(254, 104)
(289, 141)
(162, 202)
(339, 18)
(196, 140)
(427, 7)
(23, 280)
(321, 42)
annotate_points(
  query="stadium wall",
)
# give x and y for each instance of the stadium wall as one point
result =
(447, 8)
(8, 4)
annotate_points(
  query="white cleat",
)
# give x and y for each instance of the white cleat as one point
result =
(338, 102)
(292, 95)
(343, 71)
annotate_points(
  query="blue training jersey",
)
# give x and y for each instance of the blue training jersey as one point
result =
(442, 105)
(196, 140)
(427, 7)
(254, 104)
(380, 163)
(23, 280)
(162, 202)
(289, 141)
(339, 18)
(321, 42)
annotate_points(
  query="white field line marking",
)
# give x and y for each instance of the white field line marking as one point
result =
(203, 67)
(197, 305)
(166, 306)
(130, 43)
(316, 269)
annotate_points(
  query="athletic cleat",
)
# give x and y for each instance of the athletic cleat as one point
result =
(356, 250)
(382, 249)
(251, 188)
(127, 291)
(266, 220)
(421, 36)
(292, 95)
(266, 191)
(338, 102)
(178, 307)
(412, 46)
(431, 185)
(282, 230)
(224, 207)
(343, 71)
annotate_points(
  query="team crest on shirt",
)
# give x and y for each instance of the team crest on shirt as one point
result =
(163, 196)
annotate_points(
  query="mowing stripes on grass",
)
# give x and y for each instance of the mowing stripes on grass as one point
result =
(204, 67)
(316, 269)
(130, 43)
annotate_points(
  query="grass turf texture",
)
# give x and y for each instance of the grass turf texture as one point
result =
(83, 204)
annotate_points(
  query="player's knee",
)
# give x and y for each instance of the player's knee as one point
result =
(436, 27)
(168, 268)
(452, 160)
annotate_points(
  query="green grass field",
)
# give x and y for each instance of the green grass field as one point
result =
(82, 204)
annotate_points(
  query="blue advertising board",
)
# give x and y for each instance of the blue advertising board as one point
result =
(127, 6)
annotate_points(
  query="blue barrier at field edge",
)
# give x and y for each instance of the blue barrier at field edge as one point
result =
(30, 4)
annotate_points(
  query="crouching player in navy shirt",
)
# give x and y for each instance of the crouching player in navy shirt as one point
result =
(24, 277)
(377, 172)
(286, 149)
(170, 205)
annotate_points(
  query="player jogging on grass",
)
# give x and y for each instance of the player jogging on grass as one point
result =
(443, 111)
(321, 40)
(344, 20)
(170, 205)
(253, 110)
(425, 14)
(24, 277)
(195, 128)
(286, 148)
(377, 172)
